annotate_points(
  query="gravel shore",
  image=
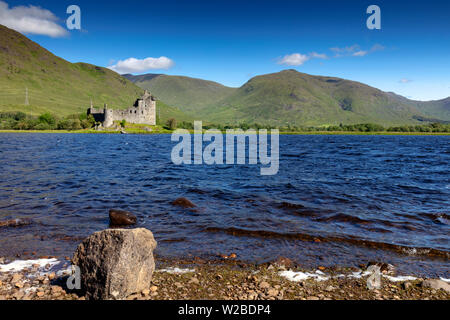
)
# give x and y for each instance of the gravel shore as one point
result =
(229, 280)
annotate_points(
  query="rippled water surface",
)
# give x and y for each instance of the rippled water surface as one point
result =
(337, 200)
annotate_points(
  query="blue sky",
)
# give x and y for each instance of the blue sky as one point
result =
(232, 41)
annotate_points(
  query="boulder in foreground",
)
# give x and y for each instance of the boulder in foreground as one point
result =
(121, 218)
(116, 263)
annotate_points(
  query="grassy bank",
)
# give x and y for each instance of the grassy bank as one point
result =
(162, 130)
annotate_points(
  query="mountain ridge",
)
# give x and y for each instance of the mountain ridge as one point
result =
(294, 98)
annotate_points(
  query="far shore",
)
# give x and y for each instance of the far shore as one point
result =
(165, 131)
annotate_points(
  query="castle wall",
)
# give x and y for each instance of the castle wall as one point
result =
(144, 112)
(140, 114)
(98, 114)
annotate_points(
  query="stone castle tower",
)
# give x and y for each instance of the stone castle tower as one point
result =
(143, 112)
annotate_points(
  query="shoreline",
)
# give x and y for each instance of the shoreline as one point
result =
(143, 132)
(198, 279)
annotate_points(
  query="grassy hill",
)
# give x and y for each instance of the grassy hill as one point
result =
(291, 97)
(188, 94)
(439, 109)
(55, 85)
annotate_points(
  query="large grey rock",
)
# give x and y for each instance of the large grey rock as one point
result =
(116, 263)
(436, 284)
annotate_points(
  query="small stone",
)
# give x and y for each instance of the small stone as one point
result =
(407, 285)
(194, 281)
(219, 277)
(16, 277)
(330, 288)
(145, 292)
(232, 256)
(56, 289)
(18, 295)
(264, 285)
(51, 276)
(284, 262)
(272, 292)
(153, 288)
(436, 284)
(18, 285)
(312, 298)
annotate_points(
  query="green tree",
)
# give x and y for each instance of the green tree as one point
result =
(48, 119)
(172, 124)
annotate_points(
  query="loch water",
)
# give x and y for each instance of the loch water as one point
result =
(336, 200)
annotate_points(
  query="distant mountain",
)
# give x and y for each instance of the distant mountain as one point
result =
(439, 109)
(291, 97)
(188, 94)
(54, 84)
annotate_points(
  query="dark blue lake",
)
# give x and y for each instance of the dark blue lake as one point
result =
(336, 200)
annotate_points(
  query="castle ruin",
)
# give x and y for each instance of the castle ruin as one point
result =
(143, 112)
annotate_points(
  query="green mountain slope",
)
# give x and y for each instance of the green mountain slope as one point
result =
(291, 97)
(55, 85)
(439, 109)
(188, 94)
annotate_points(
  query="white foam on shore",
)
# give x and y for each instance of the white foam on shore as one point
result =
(320, 276)
(20, 265)
(357, 275)
(176, 270)
(399, 278)
(299, 276)
(446, 280)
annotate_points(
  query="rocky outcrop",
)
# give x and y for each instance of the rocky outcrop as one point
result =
(15, 223)
(116, 263)
(183, 202)
(119, 218)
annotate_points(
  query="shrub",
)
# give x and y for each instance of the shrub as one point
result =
(172, 124)
(48, 119)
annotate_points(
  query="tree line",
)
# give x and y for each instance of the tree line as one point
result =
(47, 121)
(364, 127)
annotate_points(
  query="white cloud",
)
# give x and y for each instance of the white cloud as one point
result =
(360, 53)
(31, 20)
(355, 51)
(405, 80)
(318, 55)
(133, 65)
(297, 59)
